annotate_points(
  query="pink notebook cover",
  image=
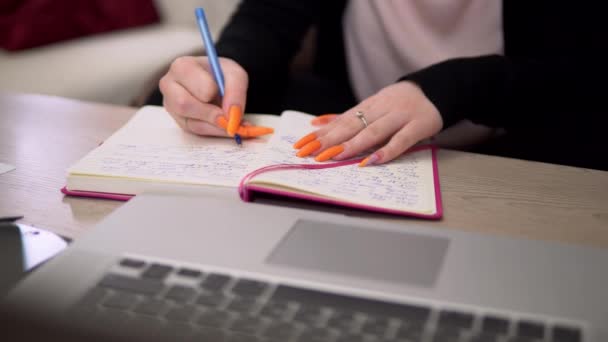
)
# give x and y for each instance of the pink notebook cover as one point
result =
(247, 191)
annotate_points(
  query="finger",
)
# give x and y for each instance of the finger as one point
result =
(331, 124)
(236, 83)
(323, 119)
(235, 115)
(405, 138)
(341, 130)
(193, 73)
(180, 103)
(376, 133)
(312, 144)
(200, 127)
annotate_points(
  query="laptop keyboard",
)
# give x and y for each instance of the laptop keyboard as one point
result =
(185, 304)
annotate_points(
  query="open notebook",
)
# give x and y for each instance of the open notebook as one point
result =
(151, 152)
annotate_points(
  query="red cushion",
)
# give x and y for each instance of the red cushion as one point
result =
(29, 23)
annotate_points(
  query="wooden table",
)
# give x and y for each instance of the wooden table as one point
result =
(43, 135)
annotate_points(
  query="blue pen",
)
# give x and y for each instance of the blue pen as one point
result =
(218, 75)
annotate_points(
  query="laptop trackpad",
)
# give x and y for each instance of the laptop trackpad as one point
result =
(396, 257)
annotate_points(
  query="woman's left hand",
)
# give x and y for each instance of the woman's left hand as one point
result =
(398, 116)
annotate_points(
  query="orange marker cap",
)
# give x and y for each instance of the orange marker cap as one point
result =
(329, 153)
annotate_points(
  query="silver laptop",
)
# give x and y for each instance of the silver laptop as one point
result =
(216, 269)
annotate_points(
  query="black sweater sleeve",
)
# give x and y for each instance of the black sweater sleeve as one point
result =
(263, 36)
(552, 73)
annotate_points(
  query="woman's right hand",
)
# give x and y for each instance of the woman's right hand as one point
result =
(192, 97)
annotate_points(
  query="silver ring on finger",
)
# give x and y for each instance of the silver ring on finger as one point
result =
(359, 114)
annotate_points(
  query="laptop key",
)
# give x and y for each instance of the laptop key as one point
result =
(447, 334)
(137, 285)
(145, 326)
(445, 338)
(211, 334)
(521, 339)
(308, 315)
(566, 334)
(238, 337)
(495, 325)
(215, 281)
(121, 301)
(180, 293)
(93, 297)
(152, 307)
(316, 335)
(157, 271)
(249, 288)
(485, 337)
(455, 319)
(211, 300)
(356, 338)
(410, 332)
(275, 310)
(530, 329)
(132, 263)
(182, 314)
(189, 273)
(280, 331)
(247, 324)
(244, 305)
(376, 326)
(214, 318)
(343, 321)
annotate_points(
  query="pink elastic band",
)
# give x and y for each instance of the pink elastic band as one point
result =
(244, 192)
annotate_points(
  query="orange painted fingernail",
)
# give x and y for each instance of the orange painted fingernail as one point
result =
(305, 140)
(234, 119)
(221, 121)
(329, 153)
(373, 158)
(254, 131)
(309, 148)
(323, 119)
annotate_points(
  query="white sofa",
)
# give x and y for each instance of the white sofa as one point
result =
(113, 67)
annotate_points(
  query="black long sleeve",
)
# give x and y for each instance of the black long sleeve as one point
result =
(553, 71)
(263, 36)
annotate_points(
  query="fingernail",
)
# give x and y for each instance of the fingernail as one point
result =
(309, 148)
(305, 140)
(234, 119)
(371, 160)
(323, 119)
(254, 131)
(329, 153)
(221, 121)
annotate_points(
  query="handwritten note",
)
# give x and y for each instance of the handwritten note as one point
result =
(152, 147)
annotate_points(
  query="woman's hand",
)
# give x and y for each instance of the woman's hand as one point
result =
(192, 97)
(398, 116)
